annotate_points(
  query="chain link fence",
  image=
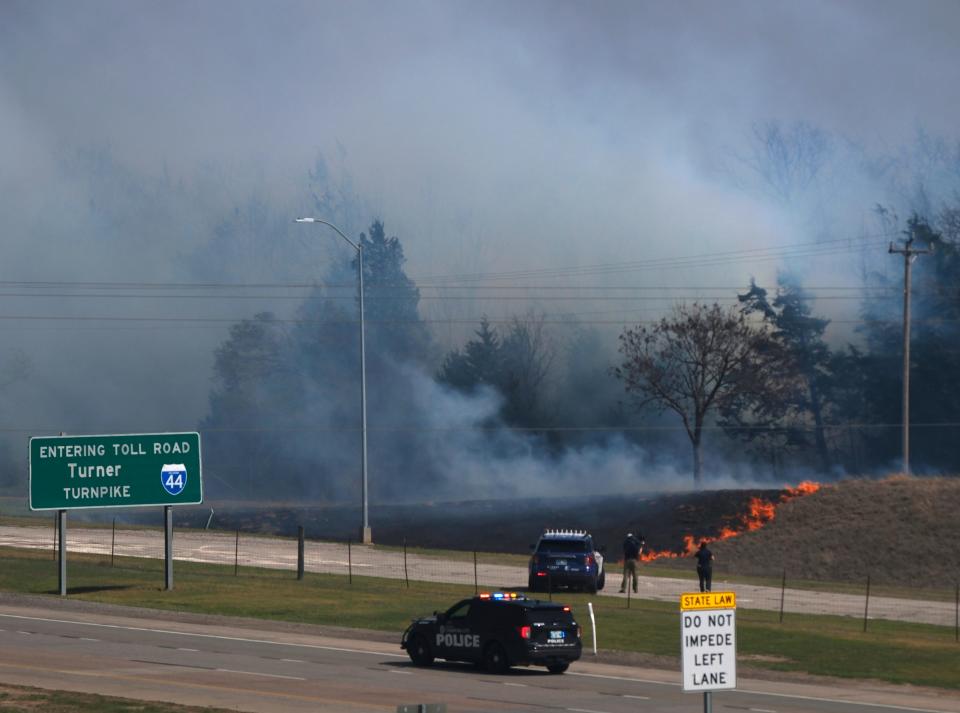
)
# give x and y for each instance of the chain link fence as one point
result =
(239, 554)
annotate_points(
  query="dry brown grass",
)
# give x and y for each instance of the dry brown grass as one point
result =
(900, 530)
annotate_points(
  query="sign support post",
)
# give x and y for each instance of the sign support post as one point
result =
(62, 551)
(168, 547)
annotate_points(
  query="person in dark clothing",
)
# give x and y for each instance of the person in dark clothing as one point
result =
(704, 566)
(632, 547)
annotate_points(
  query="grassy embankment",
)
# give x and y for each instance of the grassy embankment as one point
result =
(21, 699)
(896, 652)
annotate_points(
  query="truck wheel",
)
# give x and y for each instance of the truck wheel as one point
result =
(495, 658)
(419, 650)
(559, 667)
(532, 584)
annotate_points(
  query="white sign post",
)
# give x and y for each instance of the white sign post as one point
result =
(708, 636)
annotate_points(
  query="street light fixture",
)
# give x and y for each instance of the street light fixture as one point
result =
(366, 536)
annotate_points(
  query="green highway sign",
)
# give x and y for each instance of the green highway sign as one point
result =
(129, 470)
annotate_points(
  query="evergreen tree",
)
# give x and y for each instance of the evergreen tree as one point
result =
(516, 366)
(800, 335)
(391, 301)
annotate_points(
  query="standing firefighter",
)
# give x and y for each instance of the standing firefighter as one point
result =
(632, 547)
(704, 566)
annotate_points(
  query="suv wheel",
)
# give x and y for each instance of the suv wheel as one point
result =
(603, 579)
(419, 650)
(495, 658)
(591, 586)
(558, 667)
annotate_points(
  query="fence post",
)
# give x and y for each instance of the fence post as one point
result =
(113, 540)
(866, 605)
(476, 586)
(349, 564)
(406, 578)
(236, 555)
(783, 588)
(300, 552)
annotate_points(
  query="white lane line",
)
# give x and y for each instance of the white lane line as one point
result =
(202, 636)
(515, 685)
(762, 710)
(181, 648)
(87, 638)
(265, 675)
(291, 660)
(402, 673)
(25, 633)
(886, 706)
(637, 698)
(585, 710)
(788, 696)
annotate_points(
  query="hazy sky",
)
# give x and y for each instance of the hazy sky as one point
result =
(525, 124)
(490, 136)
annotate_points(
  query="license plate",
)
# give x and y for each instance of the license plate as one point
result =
(560, 563)
(557, 635)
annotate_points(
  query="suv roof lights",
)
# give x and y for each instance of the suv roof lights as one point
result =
(564, 533)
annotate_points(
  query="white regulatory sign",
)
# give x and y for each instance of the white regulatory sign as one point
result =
(708, 635)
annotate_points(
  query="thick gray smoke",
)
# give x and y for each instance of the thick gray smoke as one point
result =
(149, 146)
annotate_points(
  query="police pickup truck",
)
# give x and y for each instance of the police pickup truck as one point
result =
(566, 558)
(497, 631)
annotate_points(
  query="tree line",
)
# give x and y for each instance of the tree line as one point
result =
(760, 373)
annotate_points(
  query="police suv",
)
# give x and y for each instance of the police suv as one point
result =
(497, 631)
(566, 558)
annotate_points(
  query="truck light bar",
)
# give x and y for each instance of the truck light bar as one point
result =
(578, 533)
(501, 596)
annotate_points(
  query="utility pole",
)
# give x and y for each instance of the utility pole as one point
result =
(909, 255)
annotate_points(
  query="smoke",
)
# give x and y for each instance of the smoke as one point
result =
(173, 143)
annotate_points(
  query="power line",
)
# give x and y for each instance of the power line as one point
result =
(705, 259)
(556, 319)
(522, 429)
(808, 249)
(423, 298)
(40, 285)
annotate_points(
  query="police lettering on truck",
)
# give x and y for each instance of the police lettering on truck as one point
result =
(460, 640)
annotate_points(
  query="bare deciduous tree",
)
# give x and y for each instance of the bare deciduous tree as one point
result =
(788, 159)
(699, 359)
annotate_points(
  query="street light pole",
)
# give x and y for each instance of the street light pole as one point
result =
(366, 535)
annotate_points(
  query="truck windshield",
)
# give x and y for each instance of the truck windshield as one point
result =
(562, 546)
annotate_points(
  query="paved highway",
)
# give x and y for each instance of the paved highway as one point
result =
(332, 558)
(267, 668)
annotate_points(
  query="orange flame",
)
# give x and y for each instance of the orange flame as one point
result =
(759, 512)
